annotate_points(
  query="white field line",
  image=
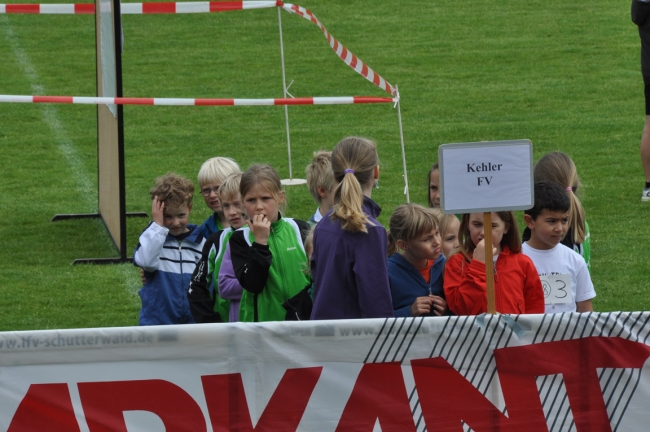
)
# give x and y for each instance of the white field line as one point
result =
(65, 146)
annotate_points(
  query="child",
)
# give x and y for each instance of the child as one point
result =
(320, 180)
(449, 226)
(558, 167)
(205, 296)
(416, 274)
(517, 288)
(266, 258)
(548, 224)
(350, 246)
(211, 175)
(434, 185)
(168, 251)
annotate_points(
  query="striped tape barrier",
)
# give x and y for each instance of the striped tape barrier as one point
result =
(337, 100)
(204, 7)
(138, 8)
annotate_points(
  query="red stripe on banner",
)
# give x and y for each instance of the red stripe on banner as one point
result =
(206, 102)
(294, 101)
(225, 6)
(159, 8)
(364, 70)
(336, 45)
(375, 80)
(364, 100)
(279, 3)
(353, 62)
(84, 8)
(134, 101)
(23, 8)
(53, 99)
(344, 52)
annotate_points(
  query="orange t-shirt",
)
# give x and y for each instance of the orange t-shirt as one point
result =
(426, 271)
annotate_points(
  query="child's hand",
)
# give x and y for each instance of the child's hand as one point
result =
(439, 305)
(158, 211)
(421, 306)
(261, 228)
(479, 252)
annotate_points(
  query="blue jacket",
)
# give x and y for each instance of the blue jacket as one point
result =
(210, 226)
(349, 269)
(406, 283)
(168, 265)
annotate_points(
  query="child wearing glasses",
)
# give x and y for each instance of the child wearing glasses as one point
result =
(212, 174)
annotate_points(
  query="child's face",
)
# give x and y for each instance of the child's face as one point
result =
(211, 196)
(259, 200)
(450, 238)
(477, 233)
(234, 212)
(425, 246)
(176, 219)
(548, 229)
(434, 188)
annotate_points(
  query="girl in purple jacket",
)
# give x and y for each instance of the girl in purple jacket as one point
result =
(348, 263)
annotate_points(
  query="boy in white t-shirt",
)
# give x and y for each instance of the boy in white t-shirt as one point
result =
(565, 278)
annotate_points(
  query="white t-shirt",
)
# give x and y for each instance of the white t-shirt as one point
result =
(561, 261)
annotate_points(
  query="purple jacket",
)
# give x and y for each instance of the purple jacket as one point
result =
(229, 287)
(350, 269)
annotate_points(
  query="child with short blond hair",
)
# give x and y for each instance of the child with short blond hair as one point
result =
(168, 251)
(208, 302)
(212, 174)
(320, 180)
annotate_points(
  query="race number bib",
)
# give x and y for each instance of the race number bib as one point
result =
(557, 288)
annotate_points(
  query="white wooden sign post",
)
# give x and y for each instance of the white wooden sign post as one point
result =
(483, 177)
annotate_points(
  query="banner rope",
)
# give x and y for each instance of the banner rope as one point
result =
(341, 51)
(84, 100)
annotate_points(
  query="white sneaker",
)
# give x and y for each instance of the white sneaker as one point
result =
(645, 196)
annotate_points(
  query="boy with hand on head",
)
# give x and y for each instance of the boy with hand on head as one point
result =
(320, 180)
(565, 278)
(206, 300)
(212, 174)
(168, 251)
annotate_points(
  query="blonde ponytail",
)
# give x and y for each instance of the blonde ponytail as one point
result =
(354, 160)
(557, 167)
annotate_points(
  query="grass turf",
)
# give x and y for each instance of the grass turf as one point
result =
(565, 75)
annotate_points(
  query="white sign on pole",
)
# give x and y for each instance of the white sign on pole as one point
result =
(486, 176)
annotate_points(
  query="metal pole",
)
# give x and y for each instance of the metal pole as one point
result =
(284, 88)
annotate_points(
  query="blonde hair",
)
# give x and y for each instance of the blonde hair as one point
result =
(216, 169)
(173, 190)
(229, 189)
(319, 173)
(408, 222)
(434, 167)
(309, 247)
(359, 157)
(267, 177)
(557, 167)
(445, 222)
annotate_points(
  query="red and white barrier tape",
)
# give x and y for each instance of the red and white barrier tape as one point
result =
(138, 8)
(344, 54)
(345, 100)
(204, 7)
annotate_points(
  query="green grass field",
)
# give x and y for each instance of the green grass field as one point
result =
(565, 75)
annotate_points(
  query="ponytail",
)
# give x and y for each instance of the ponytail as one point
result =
(353, 163)
(558, 167)
(392, 243)
(576, 218)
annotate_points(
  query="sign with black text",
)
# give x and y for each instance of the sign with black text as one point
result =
(486, 176)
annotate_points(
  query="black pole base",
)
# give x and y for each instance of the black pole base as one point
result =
(102, 260)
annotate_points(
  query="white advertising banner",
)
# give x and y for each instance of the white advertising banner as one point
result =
(583, 372)
(486, 176)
